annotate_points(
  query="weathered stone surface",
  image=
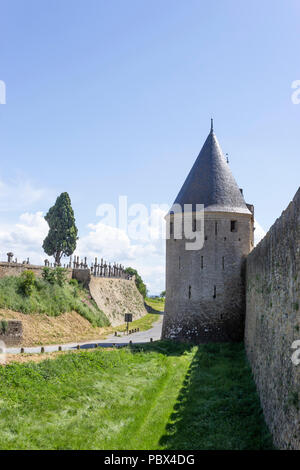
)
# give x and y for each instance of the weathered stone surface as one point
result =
(115, 297)
(15, 269)
(11, 332)
(82, 275)
(273, 324)
(205, 294)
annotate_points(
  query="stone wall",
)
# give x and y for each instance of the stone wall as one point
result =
(205, 290)
(11, 332)
(273, 324)
(115, 297)
(82, 275)
(15, 269)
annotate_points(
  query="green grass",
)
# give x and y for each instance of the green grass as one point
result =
(161, 396)
(50, 299)
(157, 304)
(144, 323)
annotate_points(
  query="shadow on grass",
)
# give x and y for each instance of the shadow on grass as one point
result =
(151, 309)
(217, 406)
(166, 347)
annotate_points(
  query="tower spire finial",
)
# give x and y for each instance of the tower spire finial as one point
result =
(211, 125)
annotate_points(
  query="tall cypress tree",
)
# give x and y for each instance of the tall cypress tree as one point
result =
(62, 235)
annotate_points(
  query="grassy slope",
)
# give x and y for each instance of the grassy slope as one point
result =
(165, 396)
(157, 304)
(50, 299)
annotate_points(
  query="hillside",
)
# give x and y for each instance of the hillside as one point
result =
(52, 313)
(52, 295)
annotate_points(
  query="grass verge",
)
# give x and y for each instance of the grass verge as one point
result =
(159, 396)
(144, 323)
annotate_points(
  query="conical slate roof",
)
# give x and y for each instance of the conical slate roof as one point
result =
(210, 182)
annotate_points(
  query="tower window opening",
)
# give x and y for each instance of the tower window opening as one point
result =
(171, 228)
(190, 291)
(215, 292)
(201, 262)
(223, 263)
(216, 228)
(194, 224)
(233, 226)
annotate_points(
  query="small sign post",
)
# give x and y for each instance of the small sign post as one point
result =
(128, 319)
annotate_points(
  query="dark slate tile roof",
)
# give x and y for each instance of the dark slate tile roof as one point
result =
(210, 182)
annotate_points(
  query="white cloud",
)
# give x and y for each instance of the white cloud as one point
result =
(114, 245)
(259, 233)
(18, 195)
(25, 238)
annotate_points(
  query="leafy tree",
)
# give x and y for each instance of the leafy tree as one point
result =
(163, 293)
(138, 281)
(62, 235)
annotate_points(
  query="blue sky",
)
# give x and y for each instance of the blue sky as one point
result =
(115, 98)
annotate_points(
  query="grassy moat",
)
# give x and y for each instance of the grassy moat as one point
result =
(163, 395)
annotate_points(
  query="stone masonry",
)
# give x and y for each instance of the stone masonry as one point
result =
(11, 332)
(273, 324)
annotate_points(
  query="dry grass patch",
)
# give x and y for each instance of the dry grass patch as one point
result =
(41, 329)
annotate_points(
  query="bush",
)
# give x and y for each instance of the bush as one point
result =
(48, 275)
(73, 282)
(55, 275)
(60, 275)
(3, 326)
(27, 282)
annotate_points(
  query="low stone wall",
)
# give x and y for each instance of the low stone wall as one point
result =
(82, 275)
(15, 269)
(11, 332)
(273, 324)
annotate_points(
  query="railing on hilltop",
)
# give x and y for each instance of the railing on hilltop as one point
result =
(102, 269)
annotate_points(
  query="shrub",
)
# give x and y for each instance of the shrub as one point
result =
(60, 275)
(73, 282)
(27, 282)
(3, 326)
(55, 275)
(48, 275)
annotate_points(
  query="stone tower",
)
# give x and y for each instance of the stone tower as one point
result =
(205, 294)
